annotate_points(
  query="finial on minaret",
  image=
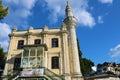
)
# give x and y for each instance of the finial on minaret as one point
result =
(68, 9)
(68, 2)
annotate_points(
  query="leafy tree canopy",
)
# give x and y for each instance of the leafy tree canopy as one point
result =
(2, 55)
(86, 65)
(3, 11)
(2, 58)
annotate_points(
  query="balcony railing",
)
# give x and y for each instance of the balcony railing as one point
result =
(47, 75)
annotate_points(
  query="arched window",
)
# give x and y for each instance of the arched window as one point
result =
(55, 62)
(20, 44)
(54, 42)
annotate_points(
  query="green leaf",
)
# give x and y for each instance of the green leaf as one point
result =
(3, 11)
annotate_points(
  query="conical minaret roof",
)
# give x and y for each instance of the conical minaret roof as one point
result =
(69, 15)
(68, 10)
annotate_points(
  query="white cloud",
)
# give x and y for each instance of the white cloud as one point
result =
(57, 8)
(106, 1)
(85, 18)
(115, 52)
(100, 19)
(28, 4)
(5, 30)
(13, 1)
(79, 9)
(4, 44)
(19, 11)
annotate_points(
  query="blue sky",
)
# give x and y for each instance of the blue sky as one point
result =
(98, 28)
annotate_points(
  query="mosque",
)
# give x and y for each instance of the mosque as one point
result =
(45, 53)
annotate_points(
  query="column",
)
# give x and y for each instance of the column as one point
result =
(36, 57)
(77, 71)
(44, 39)
(43, 58)
(21, 65)
(61, 63)
(45, 52)
(28, 39)
(66, 57)
(28, 63)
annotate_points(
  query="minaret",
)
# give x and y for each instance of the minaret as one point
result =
(70, 21)
(68, 10)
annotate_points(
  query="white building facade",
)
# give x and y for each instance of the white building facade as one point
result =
(46, 53)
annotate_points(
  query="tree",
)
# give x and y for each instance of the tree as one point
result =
(2, 58)
(85, 63)
(1, 53)
(3, 11)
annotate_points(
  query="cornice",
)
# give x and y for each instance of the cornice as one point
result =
(40, 33)
(64, 31)
(29, 33)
